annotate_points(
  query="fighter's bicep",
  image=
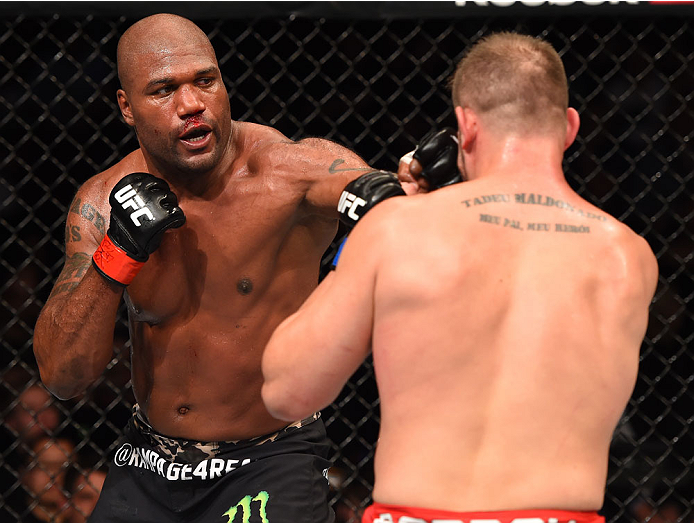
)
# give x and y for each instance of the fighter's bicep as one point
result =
(354, 284)
(327, 168)
(87, 220)
(343, 319)
(85, 227)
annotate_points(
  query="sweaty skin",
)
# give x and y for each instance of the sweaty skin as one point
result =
(260, 210)
(505, 315)
(505, 351)
(538, 359)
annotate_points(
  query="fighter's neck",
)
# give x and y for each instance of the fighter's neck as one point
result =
(200, 185)
(519, 157)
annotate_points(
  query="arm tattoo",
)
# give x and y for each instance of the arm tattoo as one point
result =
(72, 233)
(88, 212)
(73, 272)
(334, 167)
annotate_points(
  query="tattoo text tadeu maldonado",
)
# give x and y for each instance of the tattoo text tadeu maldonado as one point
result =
(88, 212)
(532, 199)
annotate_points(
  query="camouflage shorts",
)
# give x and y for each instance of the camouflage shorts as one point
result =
(187, 451)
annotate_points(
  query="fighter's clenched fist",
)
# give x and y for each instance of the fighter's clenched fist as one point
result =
(143, 207)
(437, 155)
(362, 194)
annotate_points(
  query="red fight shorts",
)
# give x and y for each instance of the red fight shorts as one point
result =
(378, 513)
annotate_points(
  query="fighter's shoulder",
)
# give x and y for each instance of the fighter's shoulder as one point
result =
(390, 220)
(256, 139)
(252, 135)
(272, 140)
(624, 237)
(270, 147)
(633, 258)
(263, 147)
(99, 186)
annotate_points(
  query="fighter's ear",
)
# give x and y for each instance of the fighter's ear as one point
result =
(573, 122)
(467, 126)
(125, 108)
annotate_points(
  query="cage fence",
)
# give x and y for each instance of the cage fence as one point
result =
(375, 85)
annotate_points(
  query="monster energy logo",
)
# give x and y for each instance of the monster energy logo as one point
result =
(245, 505)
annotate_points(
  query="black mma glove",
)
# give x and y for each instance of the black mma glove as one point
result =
(362, 194)
(437, 153)
(142, 209)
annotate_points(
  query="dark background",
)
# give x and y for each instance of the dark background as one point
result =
(372, 76)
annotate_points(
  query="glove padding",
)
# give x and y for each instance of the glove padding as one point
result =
(437, 153)
(143, 207)
(361, 194)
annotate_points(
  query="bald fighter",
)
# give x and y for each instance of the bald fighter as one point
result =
(503, 373)
(212, 232)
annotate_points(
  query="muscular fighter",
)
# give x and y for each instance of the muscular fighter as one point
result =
(505, 316)
(212, 232)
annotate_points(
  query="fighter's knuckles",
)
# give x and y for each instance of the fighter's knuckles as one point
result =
(439, 168)
(416, 168)
(434, 144)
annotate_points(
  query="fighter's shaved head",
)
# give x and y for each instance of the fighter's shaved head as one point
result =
(154, 34)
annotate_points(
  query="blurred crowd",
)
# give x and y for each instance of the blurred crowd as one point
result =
(50, 474)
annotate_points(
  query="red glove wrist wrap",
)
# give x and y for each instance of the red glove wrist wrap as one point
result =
(114, 263)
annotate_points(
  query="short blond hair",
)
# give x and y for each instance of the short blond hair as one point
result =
(515, 82)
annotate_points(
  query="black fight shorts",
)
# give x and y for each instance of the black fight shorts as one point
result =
(278, 478)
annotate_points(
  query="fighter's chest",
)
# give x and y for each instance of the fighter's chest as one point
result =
(221, 258)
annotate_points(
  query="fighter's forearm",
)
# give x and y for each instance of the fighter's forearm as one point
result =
(290, 390)
(305, 364)
(73, 337)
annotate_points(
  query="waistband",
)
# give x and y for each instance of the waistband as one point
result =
(190, 451)
(380, 513)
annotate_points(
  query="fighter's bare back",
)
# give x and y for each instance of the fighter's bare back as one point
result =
(545, 301)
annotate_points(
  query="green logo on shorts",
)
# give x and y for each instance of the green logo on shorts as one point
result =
(246, 508)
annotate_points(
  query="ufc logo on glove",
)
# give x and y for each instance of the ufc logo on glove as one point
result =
(127, 197)
(351, 201)
(129, 240)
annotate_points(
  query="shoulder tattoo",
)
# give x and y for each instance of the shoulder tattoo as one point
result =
(88, 212)
(532, 199)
